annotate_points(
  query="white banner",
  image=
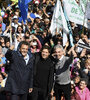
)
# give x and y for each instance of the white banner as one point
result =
(88, 11)
(58, 19)
(74, 12)
(83, 4)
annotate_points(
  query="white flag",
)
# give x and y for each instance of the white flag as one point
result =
(75, 12)
(83, 4)
(58, 19)
(88, 11)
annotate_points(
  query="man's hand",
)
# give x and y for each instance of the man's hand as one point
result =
(12, 47)
(52, 92)
(30, 90)
(78, 65)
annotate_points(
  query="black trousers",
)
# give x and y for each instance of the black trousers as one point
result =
(2, 96)
(19, 97)
(39, 94)
(11, 96)
(62, 89)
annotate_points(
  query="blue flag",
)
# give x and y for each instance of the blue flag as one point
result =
(23, 6)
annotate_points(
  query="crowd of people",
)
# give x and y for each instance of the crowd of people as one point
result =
(34, 64)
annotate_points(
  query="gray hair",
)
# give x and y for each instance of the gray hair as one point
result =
(46, 19)
(58, 46)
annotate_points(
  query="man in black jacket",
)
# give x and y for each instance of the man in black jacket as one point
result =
(43, 75)
(20, 76)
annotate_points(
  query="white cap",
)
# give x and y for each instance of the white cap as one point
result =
(34, 43)
(15, 17)
(36, 2)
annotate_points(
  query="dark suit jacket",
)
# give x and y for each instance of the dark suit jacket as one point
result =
(20, 77)
(43, 73)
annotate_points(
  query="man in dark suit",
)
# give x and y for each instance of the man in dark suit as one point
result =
(20, 76)
(43, 75)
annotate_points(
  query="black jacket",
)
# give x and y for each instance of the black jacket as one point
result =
(43, 73)
(20, 77)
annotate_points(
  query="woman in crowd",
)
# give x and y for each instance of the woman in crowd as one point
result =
(2, 61)
(35, 44)
(82, 90)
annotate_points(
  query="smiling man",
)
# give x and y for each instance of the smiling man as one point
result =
(62, 73)
(43, 75)
(20, 76)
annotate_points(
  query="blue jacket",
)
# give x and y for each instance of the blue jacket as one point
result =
(20, 77)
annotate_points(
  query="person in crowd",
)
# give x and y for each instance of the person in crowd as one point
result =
(20, 32)
(14, 23)
(7, 45)
(85, 39)
(20, 76)
(43, 75)
(1, 33)
(3, 24)
(38, 22)
(74, 94)
(35, 44)
(77, 80)
(2, 41)
(82, 89)
(2, 86)
(84, 72)
(62, 73)
(87, 71)
(2, 61)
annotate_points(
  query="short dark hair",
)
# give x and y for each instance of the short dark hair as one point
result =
(85, 80)
(46, 47)
(23, 42)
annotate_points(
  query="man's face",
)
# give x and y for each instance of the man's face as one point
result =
(24, 49)
(58, 53)
(82, 85)
(8, 44)
(87, 65)
(77, 38)
(85, 37)
(45, 53)
(15, 21)
(77, 79)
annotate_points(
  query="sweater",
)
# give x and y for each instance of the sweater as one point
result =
(62, 70)
(85, 95)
